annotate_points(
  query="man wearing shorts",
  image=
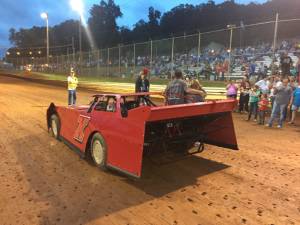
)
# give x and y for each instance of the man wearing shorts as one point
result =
(295, 103)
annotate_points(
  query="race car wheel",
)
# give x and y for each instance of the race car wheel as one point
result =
(98, 151)
(55, 126)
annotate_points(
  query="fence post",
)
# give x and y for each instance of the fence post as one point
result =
(68, 57)
(134, 59)
(107, 71)
(57, 63)
(119, 60)
(275, 41)
(172, 57)
(231, 27)
(98, 60)
(151, 56)
(199, 48)
(73, 51)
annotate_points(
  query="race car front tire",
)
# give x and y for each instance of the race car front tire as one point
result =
(98, 151)
(55, 126)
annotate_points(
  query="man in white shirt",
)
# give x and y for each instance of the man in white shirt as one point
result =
(264, 85)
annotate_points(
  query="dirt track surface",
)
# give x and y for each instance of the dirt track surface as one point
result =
(44, 182)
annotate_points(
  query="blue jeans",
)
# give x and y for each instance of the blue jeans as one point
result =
(72, 97)
(278, 110)
(253, 110)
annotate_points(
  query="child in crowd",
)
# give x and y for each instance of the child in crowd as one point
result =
(262, 108)
(253, 102)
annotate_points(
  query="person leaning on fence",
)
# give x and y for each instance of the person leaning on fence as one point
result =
(72, 85)
(177, 89)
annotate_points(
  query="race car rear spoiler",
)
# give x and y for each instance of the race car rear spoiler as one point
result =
(158, 130)
(209, 122)
(189, 110)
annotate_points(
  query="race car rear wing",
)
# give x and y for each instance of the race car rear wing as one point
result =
(158, 129)
(210, 122)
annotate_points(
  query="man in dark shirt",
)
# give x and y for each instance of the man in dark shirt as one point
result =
(142, 84)
(286, 62)
(176, 90)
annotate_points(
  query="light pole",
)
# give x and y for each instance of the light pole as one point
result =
(231, 27)
(45, 17)
(80, 41)
(77, 6)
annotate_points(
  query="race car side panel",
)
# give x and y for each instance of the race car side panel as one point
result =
(74, 126)
(124, 137)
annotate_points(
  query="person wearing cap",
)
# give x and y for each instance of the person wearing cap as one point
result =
(72, 85)
(142, 84)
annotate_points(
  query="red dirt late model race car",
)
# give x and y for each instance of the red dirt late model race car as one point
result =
(117, 131)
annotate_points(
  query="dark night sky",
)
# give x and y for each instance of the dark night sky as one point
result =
(26, 13)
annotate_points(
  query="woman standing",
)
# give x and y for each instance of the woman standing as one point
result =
(231, 90)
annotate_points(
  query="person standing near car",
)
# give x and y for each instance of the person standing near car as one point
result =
(72, 86)
(192, 98)
(177, 89)
(232, 90)
(142, 84)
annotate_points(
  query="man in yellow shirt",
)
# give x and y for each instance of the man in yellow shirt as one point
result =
(72, 85)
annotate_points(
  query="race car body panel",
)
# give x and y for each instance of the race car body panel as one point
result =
(133, 130)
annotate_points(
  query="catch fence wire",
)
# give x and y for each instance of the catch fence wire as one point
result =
(192, 53)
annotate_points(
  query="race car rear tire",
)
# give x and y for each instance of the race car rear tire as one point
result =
(98, 151)
(55, 126)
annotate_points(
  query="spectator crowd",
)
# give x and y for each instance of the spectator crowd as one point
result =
(276, 95)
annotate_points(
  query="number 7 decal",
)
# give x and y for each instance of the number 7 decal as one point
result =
(83, 122)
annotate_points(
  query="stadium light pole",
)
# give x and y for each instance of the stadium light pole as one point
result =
(45, 17)
(275, 41)
(77, 6)
(231, 27)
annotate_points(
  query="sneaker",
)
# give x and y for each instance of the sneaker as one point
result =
(291, 122)
(268, 125)
(255, 120)
(279, 126)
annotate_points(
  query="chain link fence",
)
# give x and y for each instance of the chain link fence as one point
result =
(215, 55)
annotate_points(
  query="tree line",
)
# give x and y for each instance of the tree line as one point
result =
(182, 19)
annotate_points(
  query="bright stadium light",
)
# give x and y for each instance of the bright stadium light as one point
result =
(7, 53)
(18, 53)
(30, 53)
(77, 5)
(44, 15)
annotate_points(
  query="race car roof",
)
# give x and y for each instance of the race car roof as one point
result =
(128, 94)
